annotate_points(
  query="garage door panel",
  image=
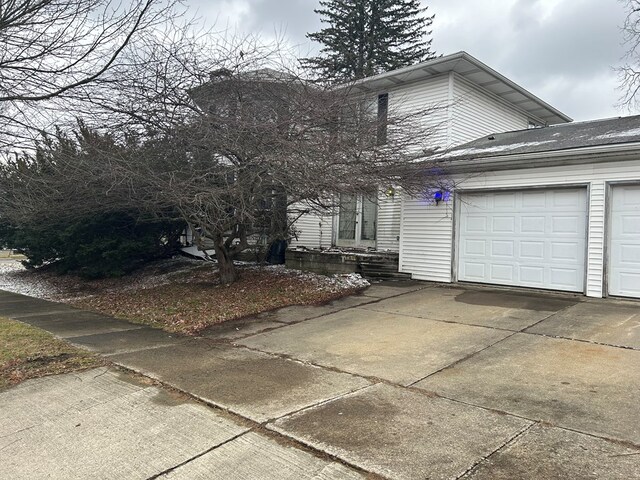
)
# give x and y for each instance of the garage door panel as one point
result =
(501, 273)
(475, 224)
(536, 238)
(624, 242)
(564, 277)
(532, 275)
(630, 254)
(502, 248)
(532, 250)
(571, 225)
(475, 248)
(503, 225)
(531, 224)
(534, 199)
(630, 224)
(566, 198)
(630, 196)
(568, 252)
(474, 270)
(504, 200)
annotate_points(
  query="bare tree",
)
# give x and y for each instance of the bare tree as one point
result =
(629, 72)
(52, 48)
(262, 140)
(226, 136)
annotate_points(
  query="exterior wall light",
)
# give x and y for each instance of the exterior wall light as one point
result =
(390, 192)
(438, 196)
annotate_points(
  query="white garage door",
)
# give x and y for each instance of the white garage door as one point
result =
(529, 238)
(624, 238)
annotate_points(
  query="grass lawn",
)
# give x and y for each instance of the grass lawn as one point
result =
(28, 352)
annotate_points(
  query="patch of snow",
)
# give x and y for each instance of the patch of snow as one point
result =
(14, 278)
(334, 283)
(634, 132)
(498, 148)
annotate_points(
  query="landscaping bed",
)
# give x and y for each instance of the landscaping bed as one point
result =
(184, 295)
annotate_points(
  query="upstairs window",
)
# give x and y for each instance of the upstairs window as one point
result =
(383, 114)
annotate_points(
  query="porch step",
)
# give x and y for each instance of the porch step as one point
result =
(381, 269)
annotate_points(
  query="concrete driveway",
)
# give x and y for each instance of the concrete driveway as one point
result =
(408, 381)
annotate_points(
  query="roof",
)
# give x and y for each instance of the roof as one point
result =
(475, 71)
(611, 131)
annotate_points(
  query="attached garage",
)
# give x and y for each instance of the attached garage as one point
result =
(554, 208)
(527, 238)
(624, 241)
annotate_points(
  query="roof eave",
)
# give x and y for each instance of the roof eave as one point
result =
(394, 77)
(572, 156)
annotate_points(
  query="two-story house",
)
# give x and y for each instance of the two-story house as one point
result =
(538, 202)
(472, 100)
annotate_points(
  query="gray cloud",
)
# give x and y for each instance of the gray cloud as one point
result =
(561, 50)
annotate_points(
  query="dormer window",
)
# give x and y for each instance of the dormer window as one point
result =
(383, 114)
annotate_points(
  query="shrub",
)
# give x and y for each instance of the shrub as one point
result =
(106, 245)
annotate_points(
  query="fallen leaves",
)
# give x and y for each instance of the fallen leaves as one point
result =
(188, 306)
(185, 296)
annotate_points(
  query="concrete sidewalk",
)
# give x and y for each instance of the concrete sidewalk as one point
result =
(406, 381)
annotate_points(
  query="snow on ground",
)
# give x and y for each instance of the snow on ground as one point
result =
(15, 278)
(334, 283)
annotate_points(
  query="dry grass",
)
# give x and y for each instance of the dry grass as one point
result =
(28, 352)
(195, 300)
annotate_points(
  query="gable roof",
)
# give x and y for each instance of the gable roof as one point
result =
(610, 131)
(476, 72)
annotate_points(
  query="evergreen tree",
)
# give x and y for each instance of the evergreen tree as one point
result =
(366, 37)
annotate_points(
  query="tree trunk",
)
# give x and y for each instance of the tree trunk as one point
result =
(226, 268)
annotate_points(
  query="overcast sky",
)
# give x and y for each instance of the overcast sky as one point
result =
(561, 50)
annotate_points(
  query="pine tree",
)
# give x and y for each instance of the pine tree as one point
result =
(366, 37)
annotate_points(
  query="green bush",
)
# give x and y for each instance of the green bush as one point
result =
(106, 245)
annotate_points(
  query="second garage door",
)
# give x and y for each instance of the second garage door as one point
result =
(624, 243)
(529, 238)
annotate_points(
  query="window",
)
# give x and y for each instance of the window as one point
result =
(383, 114)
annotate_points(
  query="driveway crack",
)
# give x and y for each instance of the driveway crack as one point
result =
(509, 441)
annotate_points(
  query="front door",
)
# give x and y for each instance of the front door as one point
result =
(357, 217)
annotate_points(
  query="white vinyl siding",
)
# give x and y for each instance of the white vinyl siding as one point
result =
(432, 93)
(389, 210)
(427, 230)
(312, 230)
(596, 229)
(425, 239)
(476, 113)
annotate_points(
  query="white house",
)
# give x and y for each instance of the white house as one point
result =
(546, 204)
(476, 101)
